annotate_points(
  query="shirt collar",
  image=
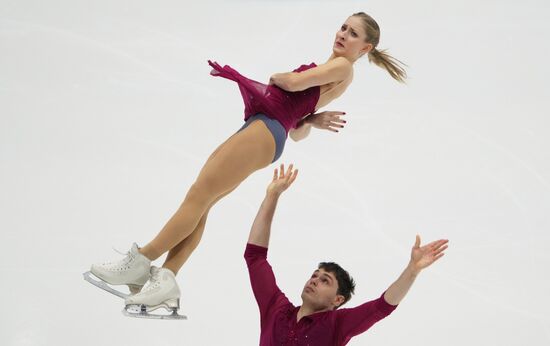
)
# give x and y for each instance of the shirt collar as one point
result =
(313, 317)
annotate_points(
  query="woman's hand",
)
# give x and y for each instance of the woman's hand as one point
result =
(281, 180)
(328, 120)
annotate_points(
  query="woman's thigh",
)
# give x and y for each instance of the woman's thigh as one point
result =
(243, 153)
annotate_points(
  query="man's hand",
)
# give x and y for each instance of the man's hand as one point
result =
(281, 180)
(423, 256)
(261, 228)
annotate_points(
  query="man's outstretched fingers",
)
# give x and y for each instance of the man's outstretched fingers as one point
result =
(440, 243)
(290, 168)
(293, 177)
(441, 249)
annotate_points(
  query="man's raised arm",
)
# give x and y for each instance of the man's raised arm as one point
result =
(357, 320)
(421, 258)
(267, 293)
(261, 228)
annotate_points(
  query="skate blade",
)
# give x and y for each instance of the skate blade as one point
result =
(143, 311)
(101, 284)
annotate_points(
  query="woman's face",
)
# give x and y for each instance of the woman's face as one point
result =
(350, 40)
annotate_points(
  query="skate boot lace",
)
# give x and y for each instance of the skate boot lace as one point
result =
(153, 282)
(129, 257)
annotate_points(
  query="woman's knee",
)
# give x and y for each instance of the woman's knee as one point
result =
(200, 192)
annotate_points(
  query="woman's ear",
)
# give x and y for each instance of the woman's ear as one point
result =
(368, 48)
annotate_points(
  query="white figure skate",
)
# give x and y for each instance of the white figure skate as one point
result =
(161, 291)
(133, 271)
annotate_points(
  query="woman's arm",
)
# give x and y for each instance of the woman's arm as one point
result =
(327, 120)
(335, 70)
(301, 131)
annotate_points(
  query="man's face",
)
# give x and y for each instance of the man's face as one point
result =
(320, 291)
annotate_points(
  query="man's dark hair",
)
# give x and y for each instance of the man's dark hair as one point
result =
(346, 285)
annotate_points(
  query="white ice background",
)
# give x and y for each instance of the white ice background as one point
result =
(108, 111)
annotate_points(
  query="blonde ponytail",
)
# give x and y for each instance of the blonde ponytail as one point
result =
(383, 60)
(379, 57)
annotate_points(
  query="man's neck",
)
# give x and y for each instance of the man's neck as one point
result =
(306, 310)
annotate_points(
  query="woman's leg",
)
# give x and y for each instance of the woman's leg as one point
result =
(179, 254)
(242, 154)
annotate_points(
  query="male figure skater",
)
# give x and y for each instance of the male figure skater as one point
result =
(319, 321)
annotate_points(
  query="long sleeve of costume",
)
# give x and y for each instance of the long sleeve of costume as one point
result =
(268, 295)
(354, 321)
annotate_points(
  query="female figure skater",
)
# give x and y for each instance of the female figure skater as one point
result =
(286, 106)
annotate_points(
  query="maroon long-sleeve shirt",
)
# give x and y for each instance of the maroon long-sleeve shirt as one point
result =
(278, 315)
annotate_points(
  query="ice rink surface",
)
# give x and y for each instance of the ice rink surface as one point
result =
(108, 111)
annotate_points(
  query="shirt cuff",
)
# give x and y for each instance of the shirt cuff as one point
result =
(255, 250)
(385, 307)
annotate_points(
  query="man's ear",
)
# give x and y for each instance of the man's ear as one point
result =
(338, 300)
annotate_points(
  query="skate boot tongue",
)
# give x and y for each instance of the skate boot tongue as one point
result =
(134, 248)
(154, 272)
(160, 274)
(154, 279)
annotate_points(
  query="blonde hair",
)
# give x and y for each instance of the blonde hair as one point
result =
(380, 57)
